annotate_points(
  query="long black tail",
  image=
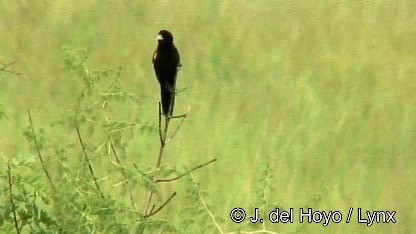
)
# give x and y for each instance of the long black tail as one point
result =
(168, 100)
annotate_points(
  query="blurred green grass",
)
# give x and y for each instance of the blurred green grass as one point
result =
(325, 90)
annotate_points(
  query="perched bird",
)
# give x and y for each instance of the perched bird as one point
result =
(166, 62)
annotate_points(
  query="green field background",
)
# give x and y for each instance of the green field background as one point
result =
(323, 92)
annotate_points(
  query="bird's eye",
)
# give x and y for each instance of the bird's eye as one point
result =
(159, 37)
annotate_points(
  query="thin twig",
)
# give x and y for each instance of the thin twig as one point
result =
(163, 133)
(5, 65)
(177, 116)
(161, 207)
(177, 128)
(16, 226)
(149, 200)
(180, 90)
(124, 175)
(162, 136)
(38, 149)
(88, 162)
(153, 208)
(163, 142)
(11, 71)
(159, 158)
(186, 173)
(179, 125)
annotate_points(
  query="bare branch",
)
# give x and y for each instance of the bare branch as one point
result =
(161, 207)
(186, 173)
(177, 116)
(163, 133)
(163, 139)
(11, 71)
(6, 65)
(149, 200)
(153, 208)
(88, 162)
(38, 149)
(180, 90)
(16, 226)
(179, 125)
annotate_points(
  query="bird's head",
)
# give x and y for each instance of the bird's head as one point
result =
(164, 37)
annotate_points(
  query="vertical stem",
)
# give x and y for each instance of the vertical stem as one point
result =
(16, 226)
(89, 164)
(38, 150)
(162, 136)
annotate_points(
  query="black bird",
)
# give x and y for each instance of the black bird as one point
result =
(166, 62)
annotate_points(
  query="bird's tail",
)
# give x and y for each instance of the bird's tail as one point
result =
(168, 100)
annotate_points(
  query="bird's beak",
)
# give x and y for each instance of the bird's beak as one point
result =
(159, 37)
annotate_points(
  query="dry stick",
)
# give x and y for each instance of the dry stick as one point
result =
(162, 145)
(5, 65)
(153, 208)
(179, 125)
(149, 200)
(38, 150)
(11, 71)
(180, 90)
(177, 116)
(16, 226)
(162, 136)
(163, 142)
(186, 173)
(161, 207)
(89, 164)
(124, 175)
